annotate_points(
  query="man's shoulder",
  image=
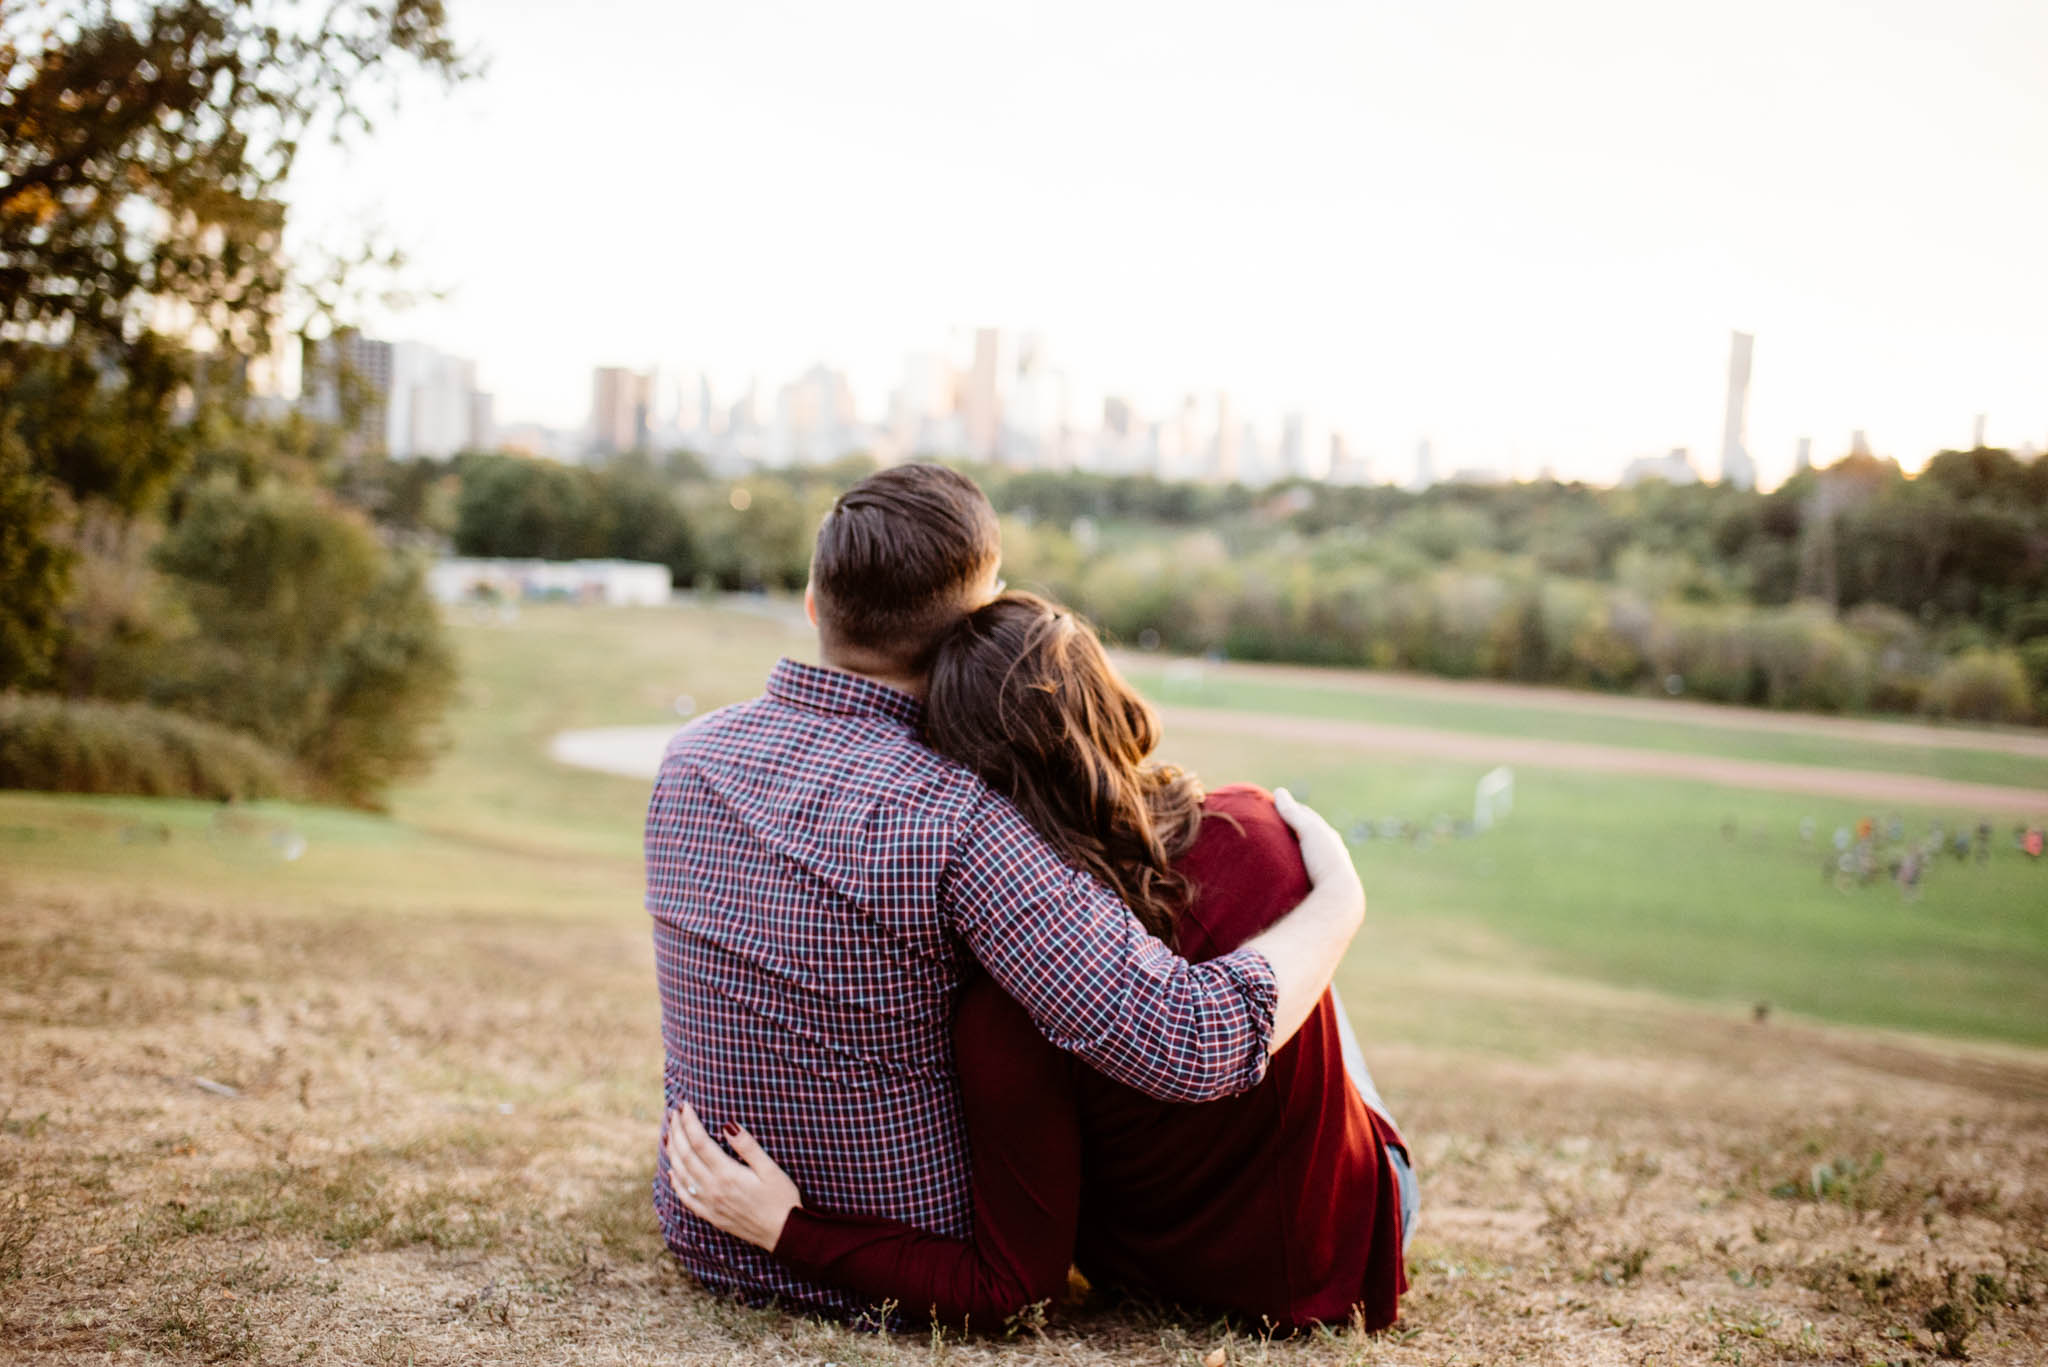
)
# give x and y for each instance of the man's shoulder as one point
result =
(857, 758)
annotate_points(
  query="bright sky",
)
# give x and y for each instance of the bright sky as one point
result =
(1522, 230)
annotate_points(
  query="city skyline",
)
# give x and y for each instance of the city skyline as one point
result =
(993, 396)
(1524, 234)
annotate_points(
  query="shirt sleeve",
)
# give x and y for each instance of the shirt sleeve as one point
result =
(1094, 982)
(1024, 1142)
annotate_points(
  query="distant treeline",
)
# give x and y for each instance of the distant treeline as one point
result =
(1852, 588)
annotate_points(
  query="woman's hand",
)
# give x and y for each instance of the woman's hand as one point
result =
(750, 1199)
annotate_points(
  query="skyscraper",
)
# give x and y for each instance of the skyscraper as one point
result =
(1223, 444)
(619, 410)
(346, 379)
(1802, 460)
(433, 402)
(814, 419)
(1736, 467)
(980, 402)
(407, 397)
(1425, 464)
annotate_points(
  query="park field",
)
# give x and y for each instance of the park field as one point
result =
(290, 1084)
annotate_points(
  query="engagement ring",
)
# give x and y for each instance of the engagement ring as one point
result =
(691, 1188)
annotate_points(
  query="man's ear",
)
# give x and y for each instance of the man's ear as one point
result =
(811, 604)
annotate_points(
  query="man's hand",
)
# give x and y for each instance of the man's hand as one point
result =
(1303, 946)
(1323, 853)
(750, 1199)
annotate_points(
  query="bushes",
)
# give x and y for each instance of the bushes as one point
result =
(53, 745)
(307, 634)
(1981, 685)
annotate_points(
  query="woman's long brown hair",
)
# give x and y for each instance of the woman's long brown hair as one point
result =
(1022, 693)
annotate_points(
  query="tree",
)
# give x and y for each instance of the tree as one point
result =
(308, 634)
(520, 506)
(31, 567)
(144, 150)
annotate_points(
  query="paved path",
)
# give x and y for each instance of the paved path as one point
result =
(629, 751)
(636, 751)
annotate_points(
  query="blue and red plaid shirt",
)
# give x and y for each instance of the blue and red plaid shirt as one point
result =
(821, 884)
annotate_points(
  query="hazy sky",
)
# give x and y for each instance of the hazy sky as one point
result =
(1523, 230)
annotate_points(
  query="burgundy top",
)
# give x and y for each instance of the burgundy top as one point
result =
(1277, 1202)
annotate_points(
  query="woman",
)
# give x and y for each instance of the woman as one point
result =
(1287, 1202)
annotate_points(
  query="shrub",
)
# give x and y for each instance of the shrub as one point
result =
(51, 744)
(1981, 685)
(1809, 660)
(308, 634)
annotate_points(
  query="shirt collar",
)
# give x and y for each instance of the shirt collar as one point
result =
(836, 692)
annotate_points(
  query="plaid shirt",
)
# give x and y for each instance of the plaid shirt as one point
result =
(820, 883)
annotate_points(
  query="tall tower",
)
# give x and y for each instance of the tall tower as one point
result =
(1802, 460)
(1425, 464)
(1736, 467)
(981, 401)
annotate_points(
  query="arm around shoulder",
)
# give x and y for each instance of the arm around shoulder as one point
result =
(1091, 978)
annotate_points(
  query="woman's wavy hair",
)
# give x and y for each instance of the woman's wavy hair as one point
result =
(1022, 693)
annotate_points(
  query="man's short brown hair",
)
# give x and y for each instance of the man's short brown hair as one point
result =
(895, 558)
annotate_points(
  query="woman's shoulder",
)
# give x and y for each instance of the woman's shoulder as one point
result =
(1240, 800)
(1246, 867)
(1241, 819)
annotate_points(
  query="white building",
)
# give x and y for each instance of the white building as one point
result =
(434, 406)
(629, 583)
(1674, 467)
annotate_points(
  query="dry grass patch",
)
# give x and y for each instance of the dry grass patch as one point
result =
(271, 1133)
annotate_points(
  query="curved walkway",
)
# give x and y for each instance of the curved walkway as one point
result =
(629, 751)
(636, 751)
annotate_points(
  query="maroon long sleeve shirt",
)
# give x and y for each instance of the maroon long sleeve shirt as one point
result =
(1277, 1202)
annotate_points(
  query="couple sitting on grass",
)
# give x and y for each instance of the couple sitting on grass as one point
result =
(960, 988)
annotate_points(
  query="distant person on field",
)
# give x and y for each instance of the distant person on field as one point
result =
(1287, 1204)
(823, 886)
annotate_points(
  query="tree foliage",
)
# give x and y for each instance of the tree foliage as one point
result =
(32, 568)
(1847, 589)
(306, 634)
(144, 152)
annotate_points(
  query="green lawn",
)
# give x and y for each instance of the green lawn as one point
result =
(1680, 734)
(1621, 880)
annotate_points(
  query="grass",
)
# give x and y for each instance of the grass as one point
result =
(1678, 887)
(1451, 712)
(435, 1032)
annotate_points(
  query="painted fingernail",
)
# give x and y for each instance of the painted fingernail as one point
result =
(729, 1129)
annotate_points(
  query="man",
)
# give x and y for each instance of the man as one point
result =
(820, 882)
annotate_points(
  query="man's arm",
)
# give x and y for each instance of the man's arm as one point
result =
(1305, 946)
(1096, 984)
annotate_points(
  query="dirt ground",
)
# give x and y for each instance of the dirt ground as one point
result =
(276, 1133)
